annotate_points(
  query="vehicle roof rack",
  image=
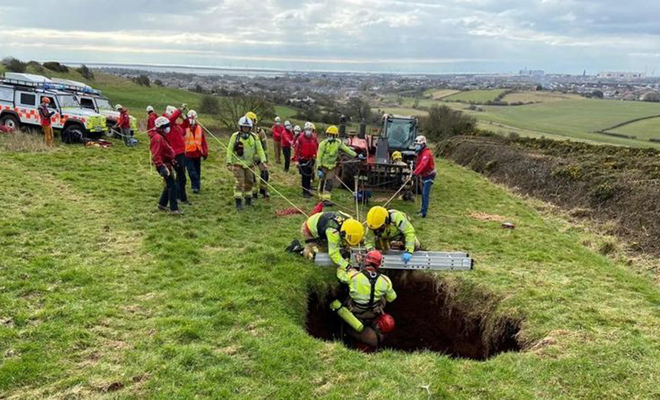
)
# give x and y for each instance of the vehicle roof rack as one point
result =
(40, 82)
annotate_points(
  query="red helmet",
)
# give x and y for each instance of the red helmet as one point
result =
(45, 100)
(373, 259)
(385, 323)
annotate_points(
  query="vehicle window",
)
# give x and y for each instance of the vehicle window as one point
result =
(104, 104)
(68, 101)
(87, 103)
(6, 94)
(28, 99)
(52, 103)
(400, 134)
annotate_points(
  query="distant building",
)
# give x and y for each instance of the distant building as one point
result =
(621, 76)
(531, 72)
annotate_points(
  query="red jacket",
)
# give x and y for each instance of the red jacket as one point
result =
(306, 148)
(425, 163)
(151, 121)
(277, 132)
(45, 113)
(287, 138)
(175, 137)
(161, 152)
(123, 121)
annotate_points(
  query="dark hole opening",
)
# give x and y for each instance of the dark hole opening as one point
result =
(424, 321)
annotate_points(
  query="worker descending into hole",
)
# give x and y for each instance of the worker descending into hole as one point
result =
(388, 229)
(151, 118)
(123, 125)
(260, 184)
(162, 156)
(243, 153)
(397, 159)
(327, 160)
(196, 150)
(426, 170)
(286, 142)
(175, 139)
(363, 310)
(305, 149)
(45, 114)
(277, 130)
(334, 232)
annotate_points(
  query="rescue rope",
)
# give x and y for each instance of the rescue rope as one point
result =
(256, 174)
(397, 192)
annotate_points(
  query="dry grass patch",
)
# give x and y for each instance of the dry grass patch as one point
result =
(22, 142)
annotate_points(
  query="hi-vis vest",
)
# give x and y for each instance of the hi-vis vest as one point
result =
(193, 139)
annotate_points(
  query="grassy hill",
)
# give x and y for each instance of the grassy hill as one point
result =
(101, 295)
(645, 129)
(476, 96)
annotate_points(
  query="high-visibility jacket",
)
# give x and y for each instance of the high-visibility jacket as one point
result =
(325, 226)
(328, 153)
(367, 287)
(195, 140)
(398, 227)
(253, 153)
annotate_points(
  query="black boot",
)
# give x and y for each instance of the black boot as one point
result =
(255, 195)
(248, 201)
(264, 193)
(239, 204)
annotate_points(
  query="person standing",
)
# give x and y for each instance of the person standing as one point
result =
(175, 139)
(162, 156)
(327, 161)
(124, 125)
(306, 147)
(196, 149)
(243, 153)
(277, 130)
(426, 170)
(45, 115)
(260, 184)
(151, 118)
(286, 142)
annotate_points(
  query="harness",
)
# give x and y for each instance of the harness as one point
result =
(373, 279)
(329, 220)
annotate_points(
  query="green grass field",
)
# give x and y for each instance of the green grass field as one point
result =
(101, 295)
(477, 96)
(539, 97)
(645, 129)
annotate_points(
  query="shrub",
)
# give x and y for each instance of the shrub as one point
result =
(209, 105)
(14, 65)
(443, 123)
(86, 72)
(36, 66)
(55, 66)
(142, 80)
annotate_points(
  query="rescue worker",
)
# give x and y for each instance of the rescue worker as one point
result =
(403, 175)
(151, 118)
(162, 156)
(260, 184)
(426, 170)
(368, 293)
(327, 160)
(123, 125)
(286, 142)
(277, 130)
(45, 114)
(331, 231)
(175, 139)
(196, 150)
(305, 149)
(397, 159)
(385, 227)
(243, 153)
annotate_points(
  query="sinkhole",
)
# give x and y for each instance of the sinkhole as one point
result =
(427, 318)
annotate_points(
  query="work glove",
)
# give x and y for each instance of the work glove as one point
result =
(361, 156)
(406, 257)
(163, 171)
(320, 174)
(205, 157)
(184, 106)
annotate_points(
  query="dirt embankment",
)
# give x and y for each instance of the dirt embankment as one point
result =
(603, 182)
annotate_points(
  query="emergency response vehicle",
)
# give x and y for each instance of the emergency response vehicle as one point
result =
(20, 98)
(93, 99)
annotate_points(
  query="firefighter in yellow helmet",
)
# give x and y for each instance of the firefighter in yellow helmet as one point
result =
(260, 185)
(386, 226)
(397, 159)
(327, 159)
(334, 231)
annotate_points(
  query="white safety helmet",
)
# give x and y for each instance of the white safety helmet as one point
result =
(150, 109)
(309, 125)
(288, 125)
(245, 121)
(192, 114)
(118, 107)
(297, 129)
(277, 119)
(169, 110)
(161, 122)
(420, 140)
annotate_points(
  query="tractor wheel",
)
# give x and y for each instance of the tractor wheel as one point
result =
(10, 122)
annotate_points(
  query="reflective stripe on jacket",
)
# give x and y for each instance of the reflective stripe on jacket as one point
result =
(328, 154)
(360, 287)
(253, 153)
(325, 226)
(195, 142)
(398, 226)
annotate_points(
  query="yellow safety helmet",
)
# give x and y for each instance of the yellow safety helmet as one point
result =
(396, 156)
(377, 217)
(332, 130)
(252, 116)
(352, 231)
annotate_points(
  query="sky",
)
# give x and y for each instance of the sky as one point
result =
(418, 36)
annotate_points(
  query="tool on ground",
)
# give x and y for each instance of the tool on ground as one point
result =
(421, 260)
